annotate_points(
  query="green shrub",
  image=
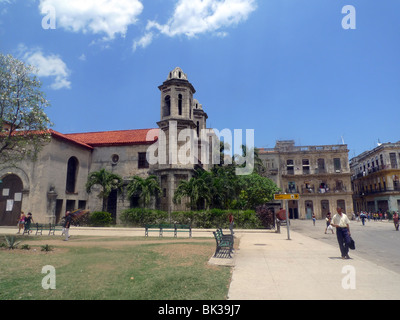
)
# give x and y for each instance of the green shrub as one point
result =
(217, 218)
(47, 248)
(100, 219)
(138, 217)
(12, 242)
(26, 247)
(204, 219)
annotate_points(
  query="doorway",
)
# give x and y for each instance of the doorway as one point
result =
(112, 204)
(309, 209)
(10, 200)
(293, 209)
(324, 208)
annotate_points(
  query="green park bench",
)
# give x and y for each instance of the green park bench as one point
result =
(229, 237)
(39, 228)
(224, 243)
(28, 229)
(161, 228)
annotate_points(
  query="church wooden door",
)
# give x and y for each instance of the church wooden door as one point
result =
(10, 200)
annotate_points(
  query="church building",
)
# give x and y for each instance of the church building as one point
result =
(55, 182)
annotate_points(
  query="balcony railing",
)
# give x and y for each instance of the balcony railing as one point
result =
(375, 169)
(382, 190)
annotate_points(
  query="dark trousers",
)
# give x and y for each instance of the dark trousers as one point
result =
(343, 238)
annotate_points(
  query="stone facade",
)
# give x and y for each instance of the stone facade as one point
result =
(320, 174)
(376, 179)
(56, 182)
(43, 182)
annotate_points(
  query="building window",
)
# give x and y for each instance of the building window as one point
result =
(72, 174)
(143, 163)
(336, 164)
(70, 205)
(321, 165)
(114, 159)
(167, 106)
(342, 204)
(292, 187)
(306, 166)
(393, 161)
(290, 167)
(180, 104)
(339, 186)
(81, 204)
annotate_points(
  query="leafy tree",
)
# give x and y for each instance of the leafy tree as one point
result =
(145, 188)
(255, 190)
(107, 181)
(23, 122)
(224, 187)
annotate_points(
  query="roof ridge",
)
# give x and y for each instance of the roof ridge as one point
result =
(125, 130)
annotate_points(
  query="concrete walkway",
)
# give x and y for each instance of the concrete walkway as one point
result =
(270, 267)
(267, 266)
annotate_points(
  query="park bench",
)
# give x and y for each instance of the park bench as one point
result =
(32, 227)
(52, 228)
(226, 236)
(55, 227)
(175, 228)
(224, 243)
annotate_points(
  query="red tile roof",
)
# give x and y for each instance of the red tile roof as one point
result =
(68, 139)
(113, 138)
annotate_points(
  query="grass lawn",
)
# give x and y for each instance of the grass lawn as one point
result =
(114, 269)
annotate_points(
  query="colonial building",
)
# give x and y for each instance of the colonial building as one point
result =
(375, 179)
(56, 182)
(320, 174)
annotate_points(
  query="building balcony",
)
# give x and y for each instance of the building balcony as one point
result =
(361, 194)
(375, 169)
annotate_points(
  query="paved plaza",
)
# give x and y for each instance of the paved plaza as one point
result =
(268, 266)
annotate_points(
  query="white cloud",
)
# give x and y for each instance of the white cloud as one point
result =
(48, 66)
(144, 41)
(109, 17)
(194, 17)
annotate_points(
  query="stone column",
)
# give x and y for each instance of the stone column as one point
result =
(51, 206)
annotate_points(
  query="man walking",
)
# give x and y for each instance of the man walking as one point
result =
(67, 224)
(396, 221)
(342, 224)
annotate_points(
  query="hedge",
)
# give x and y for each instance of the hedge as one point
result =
(214, 218)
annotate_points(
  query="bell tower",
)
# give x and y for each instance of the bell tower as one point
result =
(177, 112)
(177, 97)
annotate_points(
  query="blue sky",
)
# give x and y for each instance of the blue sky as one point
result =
(285, 68)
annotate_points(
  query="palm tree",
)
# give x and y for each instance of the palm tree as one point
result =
(108, 182)
(144, 188)
(254, 153)
(197, 189)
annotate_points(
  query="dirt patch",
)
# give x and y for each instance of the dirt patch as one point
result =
(184, 254)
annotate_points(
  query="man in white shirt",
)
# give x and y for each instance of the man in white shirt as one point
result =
(342, 224)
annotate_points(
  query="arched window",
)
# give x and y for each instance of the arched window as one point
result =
(72, 174)
(198, 128)
(167, 106)
(180, 104)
